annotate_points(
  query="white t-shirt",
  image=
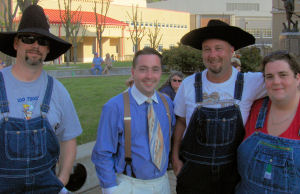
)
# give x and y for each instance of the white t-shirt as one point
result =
(25, 99)
(219, 94)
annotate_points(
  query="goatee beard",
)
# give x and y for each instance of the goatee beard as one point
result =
(33, 63)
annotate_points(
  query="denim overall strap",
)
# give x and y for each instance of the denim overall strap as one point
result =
(262, 114)
(198, 87)
(239, 85)
(47, 97)
(3, 98)
(238, 91)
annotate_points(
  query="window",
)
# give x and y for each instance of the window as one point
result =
(151, 24)
(172, 46)
(146, 45)
(167, 25)
(171, 25)
(163, 25)
(146, 23)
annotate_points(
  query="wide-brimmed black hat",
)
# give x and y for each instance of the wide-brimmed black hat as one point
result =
(34, 21)
(217, 29)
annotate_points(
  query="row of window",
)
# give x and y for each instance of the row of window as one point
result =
(260, 32)
(160, 25)
(242, 6)
(160, 47)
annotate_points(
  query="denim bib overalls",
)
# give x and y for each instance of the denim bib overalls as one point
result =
(209, 146)
(29, 149)
(271, 165)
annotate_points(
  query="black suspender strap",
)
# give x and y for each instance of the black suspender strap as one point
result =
(198, 87)
(239, 85)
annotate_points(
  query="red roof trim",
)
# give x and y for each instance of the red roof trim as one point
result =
(86, 17)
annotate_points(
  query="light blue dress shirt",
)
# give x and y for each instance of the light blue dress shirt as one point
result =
(109, 155)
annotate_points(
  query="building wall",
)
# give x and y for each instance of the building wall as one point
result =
(279, 17)
(117, 39)
(254, 16)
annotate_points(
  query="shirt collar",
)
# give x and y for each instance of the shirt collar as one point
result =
(141, 98)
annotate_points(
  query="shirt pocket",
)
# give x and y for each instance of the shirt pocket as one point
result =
(272, 167)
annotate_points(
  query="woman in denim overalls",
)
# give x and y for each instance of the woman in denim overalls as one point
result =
(269, 159)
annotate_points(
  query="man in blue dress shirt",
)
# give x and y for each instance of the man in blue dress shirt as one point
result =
(109, 151)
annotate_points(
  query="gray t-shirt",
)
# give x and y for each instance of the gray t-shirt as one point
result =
(25, 99)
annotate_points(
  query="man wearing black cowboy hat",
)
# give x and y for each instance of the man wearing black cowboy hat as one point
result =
(212, 107)
(38, 120)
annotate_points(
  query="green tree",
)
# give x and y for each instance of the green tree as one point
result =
(183, 58)
(250, 59)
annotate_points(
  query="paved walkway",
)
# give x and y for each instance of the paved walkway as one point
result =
(172, 180)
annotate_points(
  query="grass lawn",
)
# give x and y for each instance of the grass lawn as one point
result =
(84, 65)
(89, 95)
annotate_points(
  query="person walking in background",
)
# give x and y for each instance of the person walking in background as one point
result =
(108, 64)
(211, 108)
(96, 65)
(269, 157)
(172, 84)
(38, 121)
(133, 140)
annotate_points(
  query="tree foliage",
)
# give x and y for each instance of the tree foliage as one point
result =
(183, 58)
(137, 32)
(154, 36)
(71, 21)
(101, 22)
(23, 4)
(250, 59)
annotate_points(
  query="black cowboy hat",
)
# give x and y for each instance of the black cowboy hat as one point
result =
(34, 21)
(217, 29)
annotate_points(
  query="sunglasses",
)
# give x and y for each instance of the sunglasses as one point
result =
(30, 39)
(177, 80)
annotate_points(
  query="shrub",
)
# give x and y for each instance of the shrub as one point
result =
(183, 58)
(250, 59)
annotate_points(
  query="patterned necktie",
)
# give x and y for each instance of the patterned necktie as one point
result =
(156, 141)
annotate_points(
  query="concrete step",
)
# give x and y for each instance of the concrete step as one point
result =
(87, 72)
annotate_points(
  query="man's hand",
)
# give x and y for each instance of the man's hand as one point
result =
(179, 130)
(66, 160)
(177, 165)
